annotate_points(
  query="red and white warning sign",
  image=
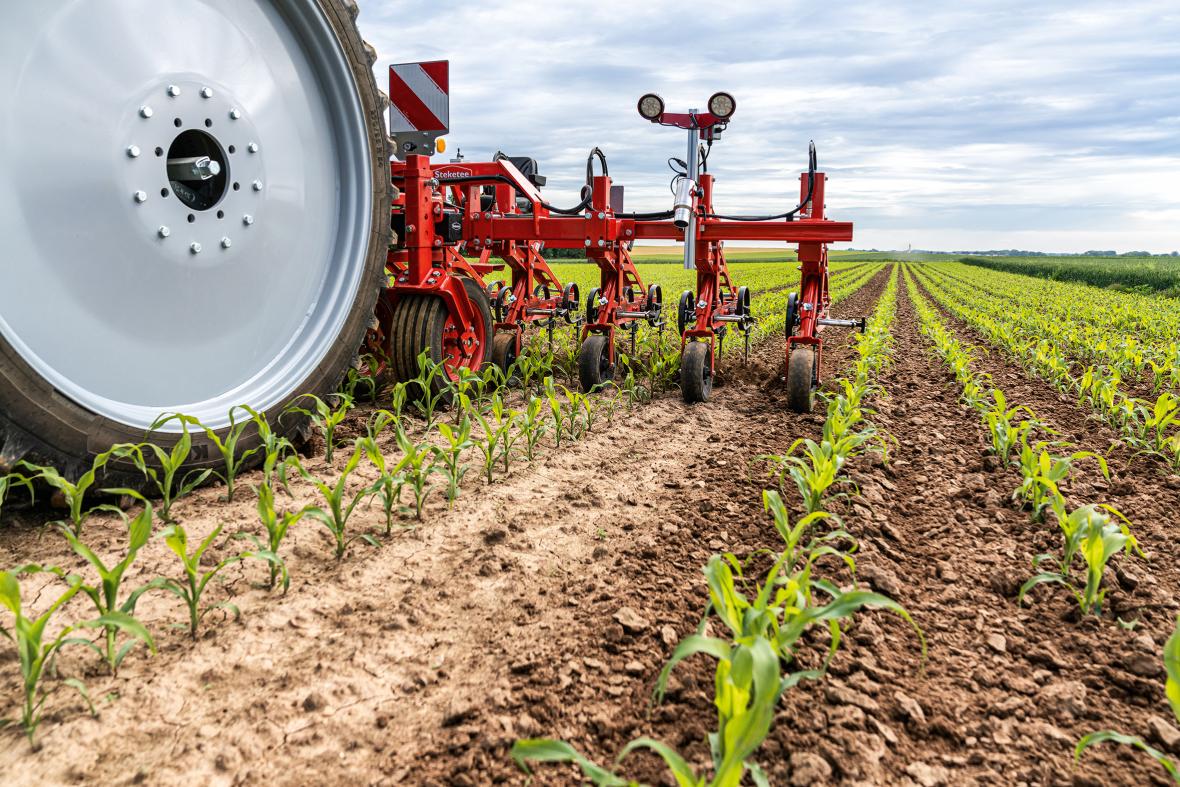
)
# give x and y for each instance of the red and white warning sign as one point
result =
(419, 97)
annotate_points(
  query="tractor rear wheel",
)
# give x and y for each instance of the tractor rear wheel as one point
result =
(233, 236)
(696, 373)
(800, 376)
(594, 365)
(422, 323)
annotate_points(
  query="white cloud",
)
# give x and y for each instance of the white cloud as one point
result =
(1001, 124)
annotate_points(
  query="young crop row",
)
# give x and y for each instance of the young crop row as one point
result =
(765, 613)
(1133, 334)
(431, 455)
(1092, 534)
(1035, 340)
(1158, 274)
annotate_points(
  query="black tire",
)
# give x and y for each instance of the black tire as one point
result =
(800, 379)
(40, 425)
(742, 302)
(419, 321)
(696, 373)
(684, 310)
(792, 318)
(504, 352)
(594, 366)
(592, 306)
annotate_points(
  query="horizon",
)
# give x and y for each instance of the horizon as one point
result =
(983, 125)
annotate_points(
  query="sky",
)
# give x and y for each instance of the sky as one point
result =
(1047, 126)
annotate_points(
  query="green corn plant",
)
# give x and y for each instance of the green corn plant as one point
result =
(164, 471)
(496, 425)
(190, 588)
(450, 455)
(106, 595)
(276, 449)
(1171, 690)
(556, 411)
(578, 412)
(1090, 531)
(341, 503)
(326, 417)
(37, 652)
(818, 467)
(74, 492)
(415, 468)
(388, 487)
(422, 391)
(511, 437)
(379, 421)
(227, 446)
(12, 481)
(277, 525)
(362, 378)
(1042, 474)
(397, 399)
(532, 426)
(1156, 424)
(1006, 433)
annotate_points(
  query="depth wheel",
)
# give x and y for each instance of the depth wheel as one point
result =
(792, 314)
(800, 375)
(685, 311)
(594, 367)
(252, 284)
(696, 373)
(423, 323)
(504, 353)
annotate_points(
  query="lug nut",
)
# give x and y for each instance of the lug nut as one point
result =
(145, 112)
(247, 219)
(140, 197)
(601, 243)
(235, 114)
(602, 215)
(195, 247)
(206, 92)
(164, 232)
(587, 241)
(173, 91)
(252, 147)
(226, 243)
(258, 185)
(132, 151)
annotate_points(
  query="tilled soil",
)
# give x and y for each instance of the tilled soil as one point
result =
(547, 602)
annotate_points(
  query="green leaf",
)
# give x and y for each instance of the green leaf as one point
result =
(1129, 740)
(681, 770)
(10, 592)
(548, 750)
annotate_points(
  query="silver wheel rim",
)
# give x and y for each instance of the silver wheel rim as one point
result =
(110, 292)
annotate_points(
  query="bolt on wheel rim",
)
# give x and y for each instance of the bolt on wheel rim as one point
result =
(187, 226)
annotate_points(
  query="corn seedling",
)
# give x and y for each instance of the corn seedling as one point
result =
(74, 493)
(276, 525)
(106, 595)
(415, 468)
(191, 587)
(163, 473)
(227, 446)
(1006, 432)
(37, 652)
(422, 391)
(497, 425)
(450, 455)
(1042, 474)
(1090, 531)
(388, 487)
(1171, 690)
(532, 426)
(340, 503)
(363, 378)
(327, 418)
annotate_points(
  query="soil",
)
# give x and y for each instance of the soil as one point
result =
(546, 603)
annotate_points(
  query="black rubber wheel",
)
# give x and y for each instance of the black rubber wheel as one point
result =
(685, 310)
(419, 323)
(592, 306)
(42, 426)
(792, 314)
(570, 297)
(594, 367)
(800, 379)
(504, 352)
(741, 305)
(696, 373)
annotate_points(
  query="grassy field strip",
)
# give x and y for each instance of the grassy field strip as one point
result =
(1146, 425)
(1147, 274)
(763, 616)
(1136, 335)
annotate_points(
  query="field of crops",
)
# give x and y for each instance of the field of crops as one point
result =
(1136, 274)
(955, 571)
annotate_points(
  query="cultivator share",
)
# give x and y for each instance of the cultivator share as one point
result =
(251, 243)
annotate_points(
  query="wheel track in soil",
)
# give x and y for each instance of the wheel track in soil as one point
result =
(941, 538)
(421, 664)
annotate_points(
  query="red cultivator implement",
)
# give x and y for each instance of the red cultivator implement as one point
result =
(438, 303)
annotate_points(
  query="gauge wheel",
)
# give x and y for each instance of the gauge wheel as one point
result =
(696, 373)
(595, 369)
(801, 380)
(685, 311)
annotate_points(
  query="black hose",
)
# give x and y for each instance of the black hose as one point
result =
(790, 214)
